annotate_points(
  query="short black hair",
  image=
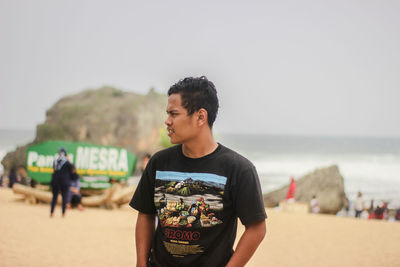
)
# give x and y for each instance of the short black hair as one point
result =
(197, 93)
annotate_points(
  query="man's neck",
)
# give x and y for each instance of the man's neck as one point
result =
(199, 148)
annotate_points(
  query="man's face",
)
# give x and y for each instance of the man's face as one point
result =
(181, 126)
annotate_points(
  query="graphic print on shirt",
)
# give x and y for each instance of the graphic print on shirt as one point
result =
(188, 201)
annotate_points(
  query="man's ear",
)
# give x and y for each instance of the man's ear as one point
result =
(202, 117)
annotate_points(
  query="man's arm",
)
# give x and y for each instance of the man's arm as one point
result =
(145, 226)
(248, 243)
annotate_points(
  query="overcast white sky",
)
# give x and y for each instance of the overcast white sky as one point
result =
(280, 67)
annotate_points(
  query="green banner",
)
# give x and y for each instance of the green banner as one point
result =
(99, 162)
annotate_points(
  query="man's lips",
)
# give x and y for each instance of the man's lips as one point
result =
(170, 131)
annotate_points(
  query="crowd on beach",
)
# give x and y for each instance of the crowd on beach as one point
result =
(379, 210)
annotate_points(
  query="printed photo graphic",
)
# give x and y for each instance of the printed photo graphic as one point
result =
(189, 200)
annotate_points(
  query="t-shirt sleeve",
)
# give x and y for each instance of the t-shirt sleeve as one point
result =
(143, 198)
(249, 198)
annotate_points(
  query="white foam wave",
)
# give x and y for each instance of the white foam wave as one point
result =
(375, 175)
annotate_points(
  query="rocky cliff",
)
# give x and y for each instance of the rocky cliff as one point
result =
(106, 116)
(326, 184)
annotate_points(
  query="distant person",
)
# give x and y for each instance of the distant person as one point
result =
(397, 216)
(314, 205)
(32, 183)
(359, 205)
(371, 211)
(380, 211)
(145, 160)
(12, 177)
(291, 193)
(74, 194)
(60, 180)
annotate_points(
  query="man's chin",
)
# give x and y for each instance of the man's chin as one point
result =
(175, 141)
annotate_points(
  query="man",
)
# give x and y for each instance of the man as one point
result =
(226, 181)
(60, 180)
(359, 205)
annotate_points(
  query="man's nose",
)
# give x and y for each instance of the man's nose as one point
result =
(167, 121)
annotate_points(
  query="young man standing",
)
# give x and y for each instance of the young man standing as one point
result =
(211, 184)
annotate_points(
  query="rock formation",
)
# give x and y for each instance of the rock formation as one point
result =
(326, 184)
(106, 116)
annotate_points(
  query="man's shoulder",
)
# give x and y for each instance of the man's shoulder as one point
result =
(231, 156)
(164, 153)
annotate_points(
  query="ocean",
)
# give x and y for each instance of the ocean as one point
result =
(369, 165)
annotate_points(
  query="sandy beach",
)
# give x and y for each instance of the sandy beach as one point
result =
(99, 237)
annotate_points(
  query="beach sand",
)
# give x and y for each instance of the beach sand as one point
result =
(98, 237)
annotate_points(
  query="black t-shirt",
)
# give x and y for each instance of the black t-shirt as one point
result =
(197, 202)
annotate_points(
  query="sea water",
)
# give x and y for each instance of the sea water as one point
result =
(368, 165)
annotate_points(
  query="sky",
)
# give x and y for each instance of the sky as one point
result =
(280, 67)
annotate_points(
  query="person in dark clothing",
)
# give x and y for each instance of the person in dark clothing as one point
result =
(12, 177)
(380, 211)
(33, 183)
(74, 194)
(397, 217)
(60, 180)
